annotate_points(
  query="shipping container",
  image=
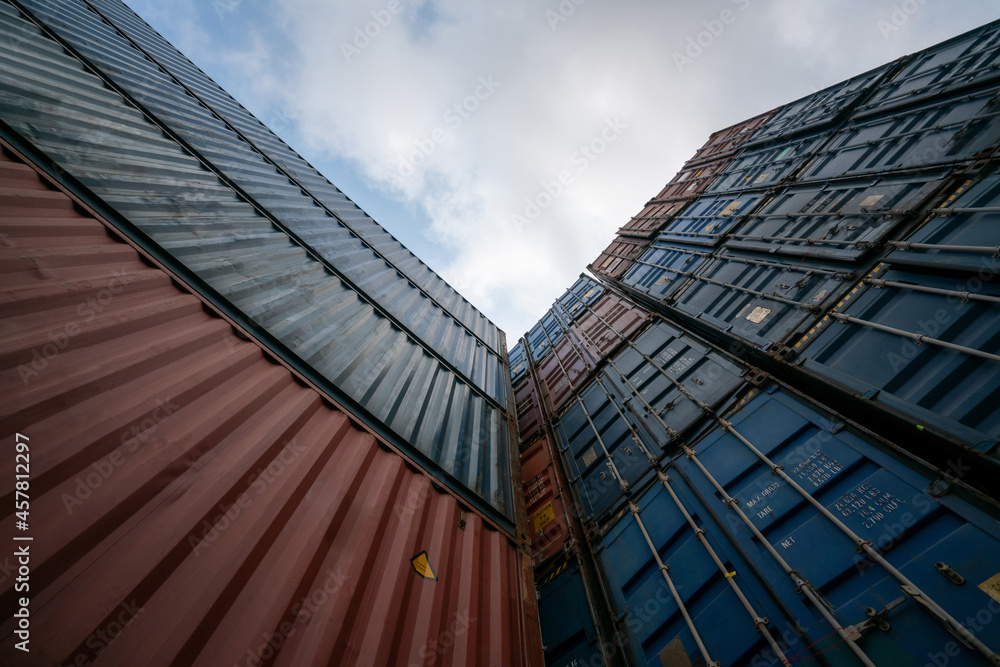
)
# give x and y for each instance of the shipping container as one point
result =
(569, 628)
(636, 410)
(664, 268)
(616, 259)
(440, 394)
(548, 525)
(584, 292)
(518, 361)
(838, 220)
(196, 501)
(691, 181)
(606, 324)
(760, 299)
(968, 60)
(821, 110)
(940, 131)
(853, 552)
(562, 374)
(129, 53)
(725, 142)
(541, 337)
(768, 166)
(652, 218)
(707, 221)
(918, 335)
(529, 411)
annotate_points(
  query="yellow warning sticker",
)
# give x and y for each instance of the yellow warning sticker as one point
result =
(422, 566)
(732, 207)
(543, 517)
(992, 587)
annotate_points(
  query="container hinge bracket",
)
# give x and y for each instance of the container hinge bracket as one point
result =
(860, 548)
(775, 469)
(932, 609)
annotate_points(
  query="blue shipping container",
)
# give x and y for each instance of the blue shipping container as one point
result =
(569, 632)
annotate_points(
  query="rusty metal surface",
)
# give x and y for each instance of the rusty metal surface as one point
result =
(438, 392)
(564, 372)
(618, 257)
(529, 412)
(193, 503)
(652, 218)
(607, 323)
(547, 521)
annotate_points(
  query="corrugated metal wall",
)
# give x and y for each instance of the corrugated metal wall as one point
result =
(199, 192)
(194, 502)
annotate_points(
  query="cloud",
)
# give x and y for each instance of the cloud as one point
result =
(397, 89)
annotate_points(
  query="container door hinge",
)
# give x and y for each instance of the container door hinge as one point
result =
(918, 597)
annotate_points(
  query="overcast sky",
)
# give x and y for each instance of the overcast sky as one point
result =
(505, 141)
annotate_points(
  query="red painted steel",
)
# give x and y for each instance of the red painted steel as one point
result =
(725, 142)
(564, 372)
(193, 502)
(624, 316)
(618, 257)
(691, 181)
(529, 413)
(547, 521)
(652, 218)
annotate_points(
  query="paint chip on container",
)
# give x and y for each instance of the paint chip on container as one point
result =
(589, 457)
(758, 314)
(422, 566)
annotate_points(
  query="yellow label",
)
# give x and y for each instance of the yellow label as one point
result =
(543, 517)
(992, 587)
(422, 566)
(732, 207)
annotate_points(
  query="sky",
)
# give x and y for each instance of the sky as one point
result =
(505, 141)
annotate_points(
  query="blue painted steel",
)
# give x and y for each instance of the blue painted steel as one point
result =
(569, 632)
(820, 110)
(969, 59)
(663, 268)
(767, 166)
(906, 512)
(834, 220)
(939, 132)
(638, 413)
(518, 361)
(706, 221)
(544, 335)
(761, 299)
(584, 292)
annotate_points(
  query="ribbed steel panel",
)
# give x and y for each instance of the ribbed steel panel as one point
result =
(547, 522)
(939, 132)
(606, 324)
(193, 503)
(822, 109)
(543, 336)
(935, 533)
(706, 221)
(568, 628)
(664, 268)
(768, 166)
(973, 57)
(652, 218)
(163, 191)
(691, 181)
(761, 299)
(518, 361)
(529, 411)
(564, 372)
(584, 292)
(924, 342)
(726, 141)
(617, 258)
(295, 204)
(837, 220)
(633, 413)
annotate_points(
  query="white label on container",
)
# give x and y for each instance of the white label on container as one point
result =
(758, 314)
(819, 296)
(663, 280)
(763, 177)
(589, 457)
(871, 201)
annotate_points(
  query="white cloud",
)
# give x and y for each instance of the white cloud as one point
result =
(557, 89)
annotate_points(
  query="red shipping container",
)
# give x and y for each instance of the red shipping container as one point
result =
(193, 501)
(547, 521)
(618, 257)
(565, 371)
(529, 412)
(606, 321)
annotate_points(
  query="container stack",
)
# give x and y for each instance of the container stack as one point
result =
(794, 458)
(261, 430)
